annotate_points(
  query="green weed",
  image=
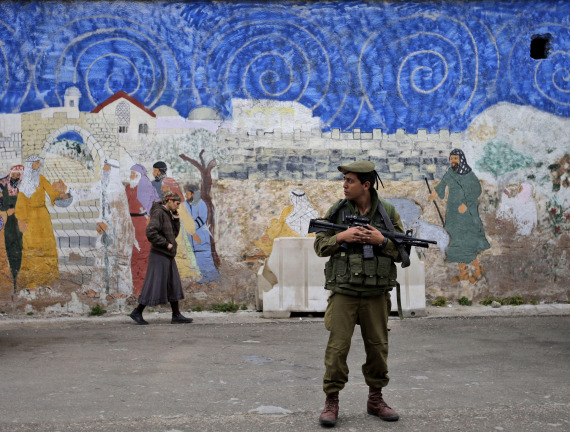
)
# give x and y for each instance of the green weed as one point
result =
(440, 301)
(464, 301)
(196, 309)
(510, 301)
(226, 307)
(515, 301)
(97, 310)
(489, 300)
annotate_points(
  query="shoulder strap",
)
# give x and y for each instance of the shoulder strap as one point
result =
(388, 222)
(340, 203)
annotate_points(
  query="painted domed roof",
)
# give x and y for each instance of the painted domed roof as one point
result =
(72, 91)
(204, 113)
(165, 111)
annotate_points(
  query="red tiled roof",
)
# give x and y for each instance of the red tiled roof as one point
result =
(122, 94)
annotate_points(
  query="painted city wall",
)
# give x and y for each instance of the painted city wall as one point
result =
(246, 109)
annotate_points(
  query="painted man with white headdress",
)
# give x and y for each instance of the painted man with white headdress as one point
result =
(293, 222)
(462, 221)
(39, 251)
(111, 276)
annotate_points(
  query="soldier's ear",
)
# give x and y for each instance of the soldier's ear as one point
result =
(366, 185)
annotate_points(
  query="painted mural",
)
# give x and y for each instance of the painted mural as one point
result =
(247, 108)
(462, 221)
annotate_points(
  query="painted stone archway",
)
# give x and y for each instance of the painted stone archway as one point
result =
(78, 164)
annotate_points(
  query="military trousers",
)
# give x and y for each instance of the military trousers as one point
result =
(342, 314)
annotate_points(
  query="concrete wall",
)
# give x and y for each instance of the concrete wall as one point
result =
(263, 103)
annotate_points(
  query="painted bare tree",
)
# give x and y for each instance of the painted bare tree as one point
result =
(205, 170)
(199, 148)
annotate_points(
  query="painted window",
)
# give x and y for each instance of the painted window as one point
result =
(123, 113)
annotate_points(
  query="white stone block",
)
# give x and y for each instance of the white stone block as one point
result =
(377, 134)
(292, 280)
(299, 278)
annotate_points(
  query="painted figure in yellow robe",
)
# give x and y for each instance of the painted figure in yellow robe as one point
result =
(185, 258)
(293, 222)
(39, 252)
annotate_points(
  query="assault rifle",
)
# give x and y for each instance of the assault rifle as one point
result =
(405, 240)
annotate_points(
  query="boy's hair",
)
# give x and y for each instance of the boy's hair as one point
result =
(367, 177)
(170, 196)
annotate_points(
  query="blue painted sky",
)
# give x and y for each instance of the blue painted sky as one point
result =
(357, 65)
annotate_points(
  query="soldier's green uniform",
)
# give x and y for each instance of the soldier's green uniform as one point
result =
(360, 293)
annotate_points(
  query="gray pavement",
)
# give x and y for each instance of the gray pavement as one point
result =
(458, 369)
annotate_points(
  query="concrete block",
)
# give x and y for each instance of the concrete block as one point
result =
(63, 242)
(369, 145)
(257, 175)
(309, 174)
(337, 144)
(396, 167)
(292, 280)
(422, 135)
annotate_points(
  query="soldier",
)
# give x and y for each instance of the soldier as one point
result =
(360, 288)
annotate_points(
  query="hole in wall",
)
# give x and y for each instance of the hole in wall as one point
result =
(539, 46)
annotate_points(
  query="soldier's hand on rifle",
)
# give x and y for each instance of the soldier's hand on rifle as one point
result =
(355, 234)
(375, 236)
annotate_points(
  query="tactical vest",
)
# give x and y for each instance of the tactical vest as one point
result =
(347, 272)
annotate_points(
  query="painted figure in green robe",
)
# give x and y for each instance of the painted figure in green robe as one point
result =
(462, 221)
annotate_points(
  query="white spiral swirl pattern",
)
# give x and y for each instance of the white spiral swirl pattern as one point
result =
(418, 66)
(94, 59)
(550, 77)
(437, 75)
(15, 70)
(265, 58)
(561, 75)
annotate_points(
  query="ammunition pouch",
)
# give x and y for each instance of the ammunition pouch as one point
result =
(345, 269)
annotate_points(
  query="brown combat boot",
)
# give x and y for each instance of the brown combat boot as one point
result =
(377, 407)
(330, 412)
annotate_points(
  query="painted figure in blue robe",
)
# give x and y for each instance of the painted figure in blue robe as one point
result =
(462, 221)
(159, 173)
(200, 241)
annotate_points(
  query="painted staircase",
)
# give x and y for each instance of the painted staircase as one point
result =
(74, 226)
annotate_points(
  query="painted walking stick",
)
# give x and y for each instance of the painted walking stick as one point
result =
(436, 206)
